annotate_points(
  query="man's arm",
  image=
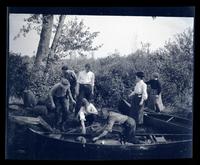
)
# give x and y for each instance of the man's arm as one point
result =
(159, 88)
(51, 94)
(92, 82)
(70, 96)
(108, 128)
(73, 74)
(78, 84)
(144, 94)
(83, 127)
(132, 93)
(104, 133)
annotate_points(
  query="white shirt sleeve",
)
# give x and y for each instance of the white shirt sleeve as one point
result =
(144, 92)
(81, 114)
(93, 110)
(92, 79)
(79, 77)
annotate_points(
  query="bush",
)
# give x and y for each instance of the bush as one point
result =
(115, 74)
(17, 75)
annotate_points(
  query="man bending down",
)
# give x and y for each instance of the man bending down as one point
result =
(128, 124)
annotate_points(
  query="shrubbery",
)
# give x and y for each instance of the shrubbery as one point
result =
(115, 75)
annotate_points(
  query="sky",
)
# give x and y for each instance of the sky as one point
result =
(123, 34)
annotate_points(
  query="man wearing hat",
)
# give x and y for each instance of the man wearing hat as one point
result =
(138, 96)
(59, 96)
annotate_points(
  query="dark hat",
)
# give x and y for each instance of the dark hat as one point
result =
(65, 67)
(156, 75)
(87, 65)
(140, 74)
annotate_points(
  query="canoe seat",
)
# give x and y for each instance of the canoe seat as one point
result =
(170, 119)
(160, 139)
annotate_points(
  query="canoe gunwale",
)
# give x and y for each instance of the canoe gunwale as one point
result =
(39, 133)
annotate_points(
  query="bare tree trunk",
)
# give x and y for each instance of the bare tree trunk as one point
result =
(54, 45)
(45, 36)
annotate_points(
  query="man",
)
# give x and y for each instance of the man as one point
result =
(155, 99)
(71, 77)
(87, 114)
(128, 124)
(139, 95)
(85, 86)
(59, 97)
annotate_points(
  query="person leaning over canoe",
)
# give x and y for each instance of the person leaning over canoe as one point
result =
(59, 97)
(128, 124)
(87, 114)
(138, 96)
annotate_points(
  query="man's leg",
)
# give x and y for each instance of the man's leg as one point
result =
(58, 115)
(79, 99)
(65, 111)
(88, 92)
(130, 129)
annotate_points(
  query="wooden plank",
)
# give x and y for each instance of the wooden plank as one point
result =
(170, 119)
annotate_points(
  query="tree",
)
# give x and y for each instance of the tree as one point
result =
(45, 36)
(75, 36)
(175, 63)
(69, 36)
(50, 57)
(72, 36)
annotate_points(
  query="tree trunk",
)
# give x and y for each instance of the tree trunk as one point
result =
(45, 36)
(54, 45)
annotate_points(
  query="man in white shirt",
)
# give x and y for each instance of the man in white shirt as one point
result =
(87, 113)
(139, 95)
(85, 86)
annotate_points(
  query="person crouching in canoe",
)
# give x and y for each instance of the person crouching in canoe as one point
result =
(128, 124)
(87, 114)
(59, 96)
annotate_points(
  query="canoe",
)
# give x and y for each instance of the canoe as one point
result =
(152, 143)
(151, 146)
(167, 122)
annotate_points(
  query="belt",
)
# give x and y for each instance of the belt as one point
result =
(138, 95)
(85, 84)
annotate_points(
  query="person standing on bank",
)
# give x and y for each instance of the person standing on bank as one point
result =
(85, 86)
(138, 96)
(155, 100)
(71, 77)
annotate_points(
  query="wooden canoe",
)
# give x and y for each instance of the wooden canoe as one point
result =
(154, 142)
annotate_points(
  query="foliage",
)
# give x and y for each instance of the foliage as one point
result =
(17, 74)
(115, 74)
(75, 36)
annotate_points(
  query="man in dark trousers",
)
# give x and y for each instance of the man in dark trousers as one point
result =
(138, 96)
(85, 86)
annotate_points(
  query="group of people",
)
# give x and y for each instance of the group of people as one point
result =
(73, 94)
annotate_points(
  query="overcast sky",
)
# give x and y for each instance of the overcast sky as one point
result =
(121, 33)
